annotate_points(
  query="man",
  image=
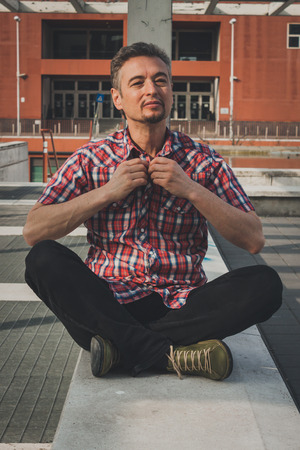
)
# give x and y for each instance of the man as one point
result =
(141, 298)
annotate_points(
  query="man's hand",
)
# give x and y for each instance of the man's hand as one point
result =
(57, 220)
(128, 176)
(169, 175)
(241, 228)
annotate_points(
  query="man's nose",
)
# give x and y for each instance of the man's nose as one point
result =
(150, 87)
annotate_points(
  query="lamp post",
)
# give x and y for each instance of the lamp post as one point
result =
(232, 22)
(18, 20)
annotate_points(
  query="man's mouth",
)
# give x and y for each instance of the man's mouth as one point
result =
(152, 103)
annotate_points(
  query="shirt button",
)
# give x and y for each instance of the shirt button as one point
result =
(114, 205)
(178, 208)
(142, 230)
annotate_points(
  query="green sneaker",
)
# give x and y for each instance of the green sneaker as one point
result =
(104, 356)
(210, 359)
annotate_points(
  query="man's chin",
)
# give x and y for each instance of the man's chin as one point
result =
(154, 118)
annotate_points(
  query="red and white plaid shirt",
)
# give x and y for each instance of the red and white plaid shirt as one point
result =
(151, 240)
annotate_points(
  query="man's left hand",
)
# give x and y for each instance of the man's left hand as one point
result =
(169, 175)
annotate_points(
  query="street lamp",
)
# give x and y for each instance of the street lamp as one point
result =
(18, 20)
(232, 22)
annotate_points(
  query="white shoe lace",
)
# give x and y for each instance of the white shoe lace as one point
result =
(179, 360)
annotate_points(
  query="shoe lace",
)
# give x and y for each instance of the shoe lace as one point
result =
(180, 360)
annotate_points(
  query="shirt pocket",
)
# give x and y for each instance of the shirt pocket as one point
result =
(181, 225)
(177, 205)
(176, 218)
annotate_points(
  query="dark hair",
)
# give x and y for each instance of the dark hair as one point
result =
(132, 51)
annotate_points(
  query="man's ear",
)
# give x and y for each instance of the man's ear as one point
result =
(117, 99)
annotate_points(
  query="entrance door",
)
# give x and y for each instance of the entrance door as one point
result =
(205, 107)
(82, 105)
(195, 107)
(69, 106)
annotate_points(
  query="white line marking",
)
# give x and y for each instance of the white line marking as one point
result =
(21, 292)
(17, 231)
(25, 446)
(17, 202)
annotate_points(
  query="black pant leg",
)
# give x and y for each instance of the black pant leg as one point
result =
(224, 306)
(86, 306)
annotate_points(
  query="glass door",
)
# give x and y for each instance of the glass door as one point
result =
(82, 105)
(195, 107)
(69, 105)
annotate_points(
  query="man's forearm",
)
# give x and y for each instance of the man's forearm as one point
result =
(57, 220)
(238, 227)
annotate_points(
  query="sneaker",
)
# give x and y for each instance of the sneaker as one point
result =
(104, 356)
(210, 359)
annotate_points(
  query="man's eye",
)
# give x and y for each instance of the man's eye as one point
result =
(137, 83)
(161, 81)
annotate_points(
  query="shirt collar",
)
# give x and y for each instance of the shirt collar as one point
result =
(132, 151)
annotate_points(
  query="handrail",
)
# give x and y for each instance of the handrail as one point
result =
(46, 159)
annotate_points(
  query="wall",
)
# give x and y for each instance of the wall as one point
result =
(268, 86)
(268, 72)
(14, 161)
(33, 65)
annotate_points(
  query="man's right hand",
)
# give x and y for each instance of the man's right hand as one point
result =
(128, 176)
(57, 220)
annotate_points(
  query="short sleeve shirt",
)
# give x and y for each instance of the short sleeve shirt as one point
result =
(150, 241)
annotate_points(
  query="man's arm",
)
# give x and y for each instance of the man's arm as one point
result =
(238, 227)
(57, 220)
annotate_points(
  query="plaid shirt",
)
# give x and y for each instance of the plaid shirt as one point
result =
(150, 240)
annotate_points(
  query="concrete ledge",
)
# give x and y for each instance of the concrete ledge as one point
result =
(246, 411)
(268, 177)
(161, 412)
(276, 206)
(14, 161)
(273, 192)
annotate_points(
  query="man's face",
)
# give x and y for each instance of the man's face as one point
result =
(145, 93)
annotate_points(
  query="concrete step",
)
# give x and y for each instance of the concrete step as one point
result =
(246, 411)
(268, 177)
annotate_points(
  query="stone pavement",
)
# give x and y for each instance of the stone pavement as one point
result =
(37, 357)
(281, 333)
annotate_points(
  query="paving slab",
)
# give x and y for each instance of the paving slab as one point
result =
(162, 412)
(40, 427)
(281, 332)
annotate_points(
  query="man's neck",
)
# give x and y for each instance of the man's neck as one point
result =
(148, 137)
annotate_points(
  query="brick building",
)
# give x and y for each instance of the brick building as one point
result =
(65, 49)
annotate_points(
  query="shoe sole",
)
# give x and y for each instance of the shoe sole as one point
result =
(96, 357)
(230, 360)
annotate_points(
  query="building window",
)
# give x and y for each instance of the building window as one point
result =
(76, 99)
(192, 46)
(193, 100)
(195, 41)
(294, 35)
(87, 40)
(105, 44)
(69, 44)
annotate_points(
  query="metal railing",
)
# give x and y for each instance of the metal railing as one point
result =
(195, 128)
(241, 130)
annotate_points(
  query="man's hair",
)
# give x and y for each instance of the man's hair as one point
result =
(132, 51)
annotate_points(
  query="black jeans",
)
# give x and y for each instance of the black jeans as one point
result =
(144, 330)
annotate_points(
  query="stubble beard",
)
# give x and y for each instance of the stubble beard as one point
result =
(155, 118)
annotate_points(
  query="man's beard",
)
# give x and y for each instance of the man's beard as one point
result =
(156, 118)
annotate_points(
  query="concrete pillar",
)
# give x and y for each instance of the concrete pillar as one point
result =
(151, 21)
